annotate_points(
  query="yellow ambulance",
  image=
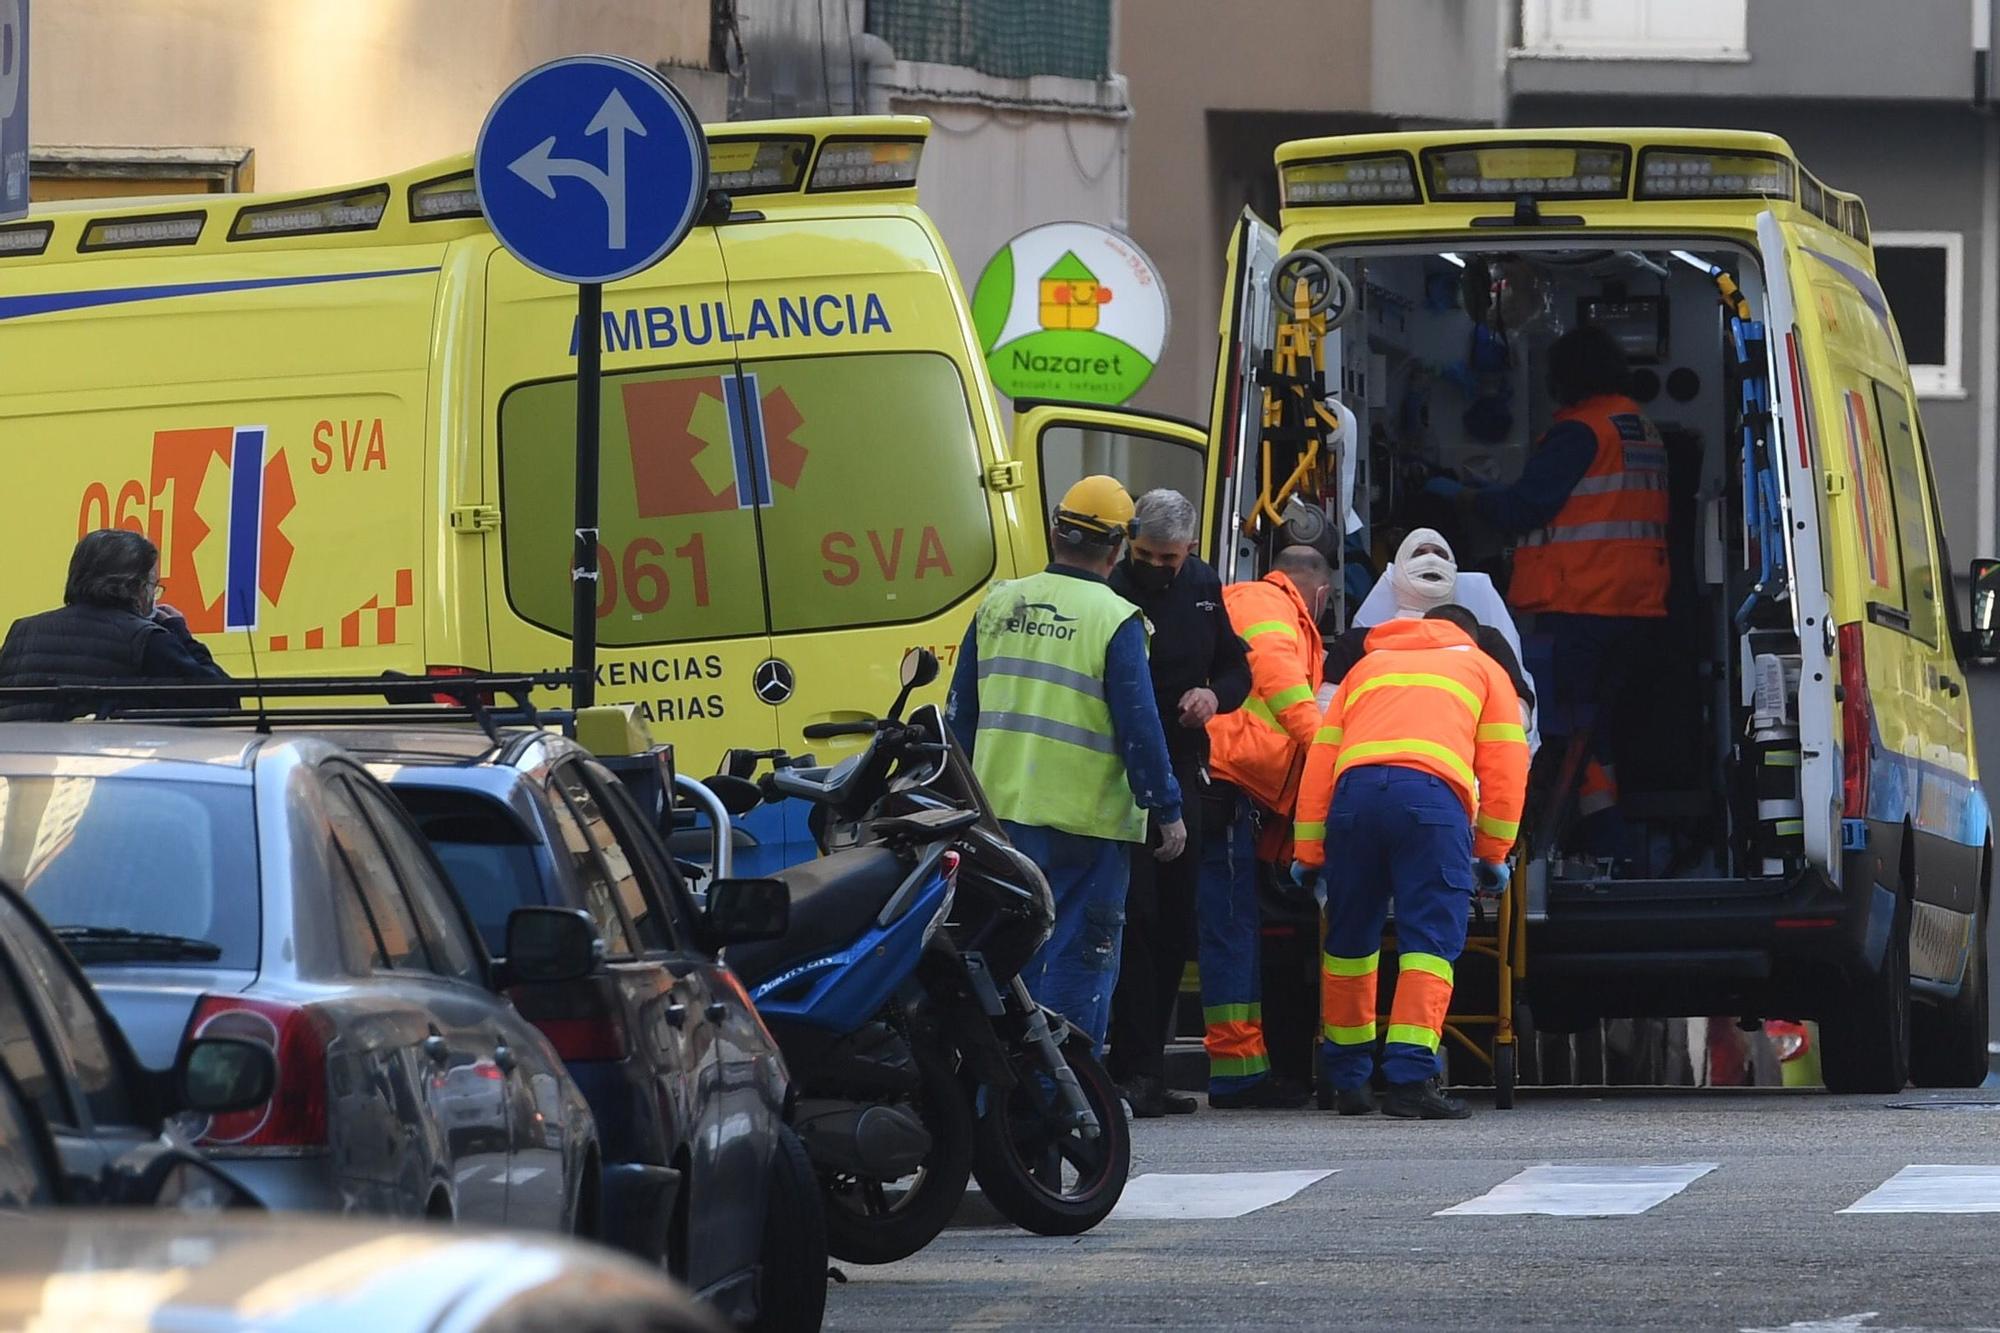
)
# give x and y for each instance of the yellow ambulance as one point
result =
(346, 417)
(1793, 740)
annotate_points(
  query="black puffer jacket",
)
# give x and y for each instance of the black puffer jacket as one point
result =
(96, 645)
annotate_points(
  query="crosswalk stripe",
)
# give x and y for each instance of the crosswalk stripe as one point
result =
(1583, 1189)
(1934, 1189)
(1164, 1196)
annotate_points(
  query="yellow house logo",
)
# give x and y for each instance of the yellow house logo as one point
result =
(1071, 294)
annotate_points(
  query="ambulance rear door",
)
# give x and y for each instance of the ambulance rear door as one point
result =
(1236, 410)
(681, 615)
(1800, 365)
(869, 442)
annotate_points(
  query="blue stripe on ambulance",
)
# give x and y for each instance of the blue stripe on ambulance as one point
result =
(246, 528)
(55, 303)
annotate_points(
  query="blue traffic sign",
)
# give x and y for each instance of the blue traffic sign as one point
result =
(590, 168)
(13, 108)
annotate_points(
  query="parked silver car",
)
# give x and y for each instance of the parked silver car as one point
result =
(224, 883)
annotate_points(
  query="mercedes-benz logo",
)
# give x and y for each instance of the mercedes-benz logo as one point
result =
(773, 681)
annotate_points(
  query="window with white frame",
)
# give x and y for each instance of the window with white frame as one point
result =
(1923, 275)
(1636, 29)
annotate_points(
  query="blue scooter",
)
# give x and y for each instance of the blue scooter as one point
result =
(856, 1010)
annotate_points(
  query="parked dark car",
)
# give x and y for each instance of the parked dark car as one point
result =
(220, 883)
(688, 1088)
(104, 1117)
(238, 1272)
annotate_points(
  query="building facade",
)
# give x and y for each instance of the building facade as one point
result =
(174, 96)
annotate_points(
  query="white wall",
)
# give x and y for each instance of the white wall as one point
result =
(989, 174)
(324, 91)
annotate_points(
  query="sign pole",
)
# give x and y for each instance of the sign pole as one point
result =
(584, 574)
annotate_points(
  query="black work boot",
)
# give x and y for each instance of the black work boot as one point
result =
(1423, 1101)
(1270, 1093)
(1151, 1098)
(1354, 1101)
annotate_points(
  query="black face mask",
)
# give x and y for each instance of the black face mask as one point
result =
(1149, 578)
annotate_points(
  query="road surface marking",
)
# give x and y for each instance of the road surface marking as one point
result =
(1595, 1189)
(1164, 1196)
(1934, 1189)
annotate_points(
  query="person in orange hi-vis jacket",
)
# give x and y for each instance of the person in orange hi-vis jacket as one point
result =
(1415, 783)
(1255, 757)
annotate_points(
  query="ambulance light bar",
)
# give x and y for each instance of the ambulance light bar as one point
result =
(1378, 178)
(142, 233)
(445, 197)
(352, 210)
(29, 240)
(1697, 173)
(1539, 170)
(866, 164)
(757, 166)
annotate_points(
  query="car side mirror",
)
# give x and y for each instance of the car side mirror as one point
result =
(1983, 638)
(744, 910)
(739, 796)
(552, 944)
(217, 1075)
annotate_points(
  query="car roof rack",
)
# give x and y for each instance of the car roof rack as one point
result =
(409, 699)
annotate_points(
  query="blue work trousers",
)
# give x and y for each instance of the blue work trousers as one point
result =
(1402, 835)
(1229, 947)
(1077, 969)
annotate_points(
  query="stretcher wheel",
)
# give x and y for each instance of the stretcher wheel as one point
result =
(1329, 291)
(1504, 1062)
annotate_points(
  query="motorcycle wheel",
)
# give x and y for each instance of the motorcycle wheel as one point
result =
(1044, 1176)
(871, 1221)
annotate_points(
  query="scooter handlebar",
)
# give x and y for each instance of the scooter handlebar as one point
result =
(819, 731)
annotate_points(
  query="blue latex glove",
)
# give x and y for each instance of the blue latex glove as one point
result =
(1444, 488)
(1491, 877)
(1303, 875)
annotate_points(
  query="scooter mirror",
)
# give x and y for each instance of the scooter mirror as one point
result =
(920, 668)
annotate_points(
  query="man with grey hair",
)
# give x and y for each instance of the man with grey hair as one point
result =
(1199, 669)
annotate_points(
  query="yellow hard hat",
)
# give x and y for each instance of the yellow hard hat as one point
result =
(1096, 510)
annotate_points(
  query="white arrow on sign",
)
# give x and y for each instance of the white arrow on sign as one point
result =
(614, 120)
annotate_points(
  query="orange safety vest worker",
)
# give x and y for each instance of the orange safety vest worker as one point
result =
(1422, 766)
(1261, 746)
(1605, 552)
(1259, 750)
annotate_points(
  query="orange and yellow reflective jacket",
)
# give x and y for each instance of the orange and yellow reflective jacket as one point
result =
(1261, 746)
(1605, 552)
(1425, 698)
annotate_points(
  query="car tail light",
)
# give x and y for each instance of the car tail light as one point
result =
(579, 1018)
(1789, 1040)
(1857, 724)
(297, 1036)
(485, 697)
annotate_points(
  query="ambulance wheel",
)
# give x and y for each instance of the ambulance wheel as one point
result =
(1046, 1176)
(1329, 291)
(1504, 1062)
(1948, 1040)
(1865, 1034)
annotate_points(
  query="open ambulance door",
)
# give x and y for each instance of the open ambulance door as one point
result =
(1799, 358)
(1061, 443)
(1237, 409)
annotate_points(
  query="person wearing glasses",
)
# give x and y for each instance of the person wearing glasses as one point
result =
(110, 629)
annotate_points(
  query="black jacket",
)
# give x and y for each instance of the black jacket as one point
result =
(77, 645)
(1193, 646)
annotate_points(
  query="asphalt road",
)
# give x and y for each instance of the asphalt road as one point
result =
(1757, 1242)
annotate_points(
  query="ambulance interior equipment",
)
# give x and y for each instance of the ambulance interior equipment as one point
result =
(1441, 361)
